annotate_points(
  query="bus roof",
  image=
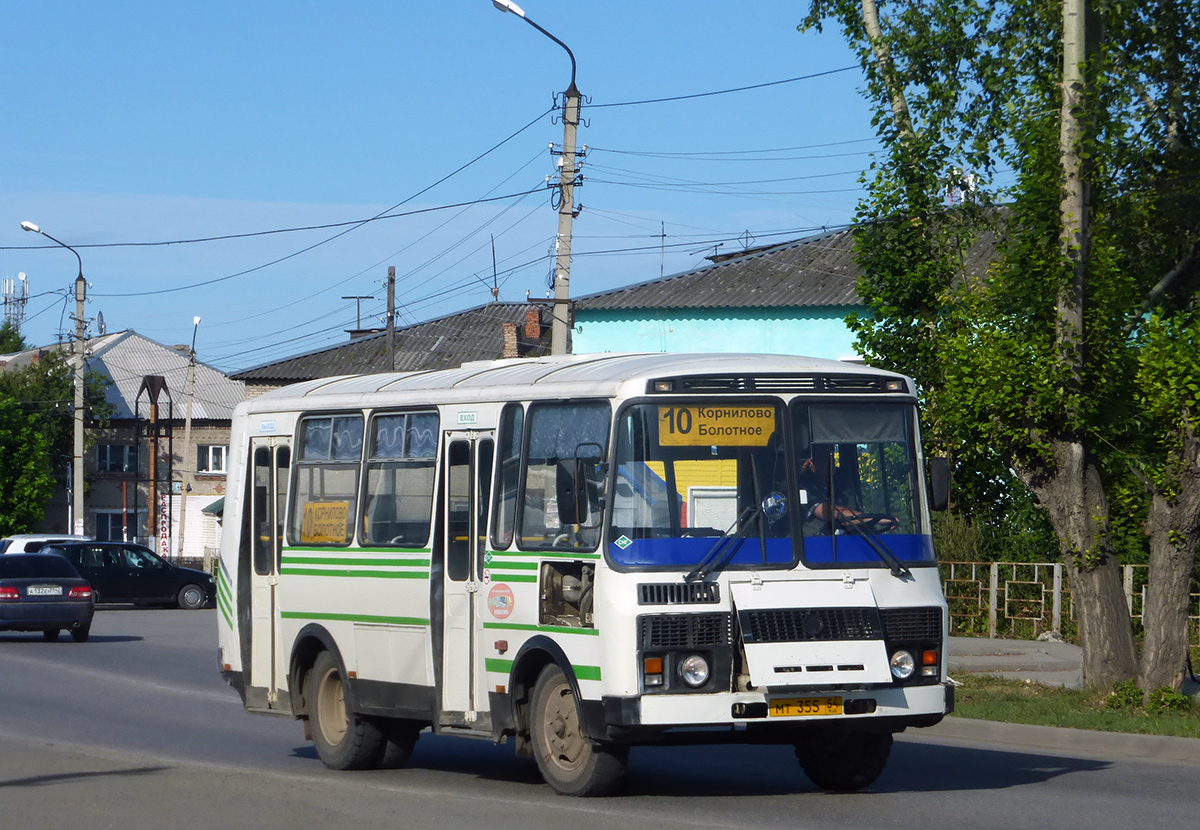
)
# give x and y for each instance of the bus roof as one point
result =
(588, 375)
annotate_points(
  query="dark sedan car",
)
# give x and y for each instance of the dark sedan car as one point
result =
(123, 572)
(40, 592)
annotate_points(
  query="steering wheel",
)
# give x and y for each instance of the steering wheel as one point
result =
(562, 540)
(870, 522)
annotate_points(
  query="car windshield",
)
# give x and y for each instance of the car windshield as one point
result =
(718, 486)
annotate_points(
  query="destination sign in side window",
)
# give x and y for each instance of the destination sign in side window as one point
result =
(724, 426)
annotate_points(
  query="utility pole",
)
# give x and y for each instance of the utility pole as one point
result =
(78, 347)
(566, 213)
(189, 454)
(566, 196)
(391, 318)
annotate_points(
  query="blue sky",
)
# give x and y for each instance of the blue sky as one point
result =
(132, 122)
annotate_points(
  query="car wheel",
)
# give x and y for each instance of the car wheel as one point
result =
(50, 634)
(344, 739)
(191, 597)
(570, 762)
(80, 635)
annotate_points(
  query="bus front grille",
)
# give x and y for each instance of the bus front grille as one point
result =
(795, 625)
(659, 631)
(906, 624)
(678, 593)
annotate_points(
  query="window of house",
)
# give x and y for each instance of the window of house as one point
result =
(111, 525)
(210, 458)
(116, 458)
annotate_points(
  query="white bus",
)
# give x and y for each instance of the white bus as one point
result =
(586, 554)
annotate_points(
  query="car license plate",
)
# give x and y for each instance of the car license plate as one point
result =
(791, 707)
(44, 591)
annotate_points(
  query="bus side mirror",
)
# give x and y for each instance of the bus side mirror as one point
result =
(939, 484)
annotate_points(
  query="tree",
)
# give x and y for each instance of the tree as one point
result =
(10, 339)
(36, 407)
(1037, 362)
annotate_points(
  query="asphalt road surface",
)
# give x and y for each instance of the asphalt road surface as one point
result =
(135, 730)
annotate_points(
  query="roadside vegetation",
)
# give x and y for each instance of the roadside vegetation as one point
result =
(984, 697)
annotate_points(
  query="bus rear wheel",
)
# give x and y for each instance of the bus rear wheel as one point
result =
(570, 762)
(844, 760)
(344, 740)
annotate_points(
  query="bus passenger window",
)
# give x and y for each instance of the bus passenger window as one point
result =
(398, 502)
(566, 443)
(326, 492)
(508, 463)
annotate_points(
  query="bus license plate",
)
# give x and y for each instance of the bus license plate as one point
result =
(44, 591)
(790, 707)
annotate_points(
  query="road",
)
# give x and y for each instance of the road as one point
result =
(135, 729)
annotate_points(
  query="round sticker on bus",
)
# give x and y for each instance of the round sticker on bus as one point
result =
(500, 601)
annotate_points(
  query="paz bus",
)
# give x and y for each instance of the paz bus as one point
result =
(585, 554)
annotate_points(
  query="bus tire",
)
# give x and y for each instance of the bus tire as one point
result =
(844, 760)
(344, 740)
(400, 737)
(570, 763)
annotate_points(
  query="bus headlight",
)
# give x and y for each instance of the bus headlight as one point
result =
(694, 670)
(903, 664)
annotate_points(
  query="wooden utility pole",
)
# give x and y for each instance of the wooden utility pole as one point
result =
(391, 318)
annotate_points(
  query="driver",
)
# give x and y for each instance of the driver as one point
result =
(824, 515)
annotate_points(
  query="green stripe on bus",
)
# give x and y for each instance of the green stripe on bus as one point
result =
(514, 577)
(363, 618)
(327, 549)
(521, 566)
(544, 554)
(227, 616)
(349, 573)
(370, 563)
(557, 629)
(505, 667)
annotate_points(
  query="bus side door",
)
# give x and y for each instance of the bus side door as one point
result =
(467, 478)
(269, 466)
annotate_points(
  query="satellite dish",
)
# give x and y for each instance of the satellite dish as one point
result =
(100, 327)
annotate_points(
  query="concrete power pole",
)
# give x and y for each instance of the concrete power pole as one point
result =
(80, 349)
(391, 318)
(566, 213)
(189, 453)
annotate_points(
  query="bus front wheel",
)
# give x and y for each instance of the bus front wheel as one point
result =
(568, 760)
(844, 760)
(344, 740)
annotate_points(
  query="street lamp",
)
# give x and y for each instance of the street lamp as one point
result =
(566, 203)
(77, 352)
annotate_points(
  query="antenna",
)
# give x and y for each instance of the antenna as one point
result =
(16, 295)
(495, 276)
(100, 327)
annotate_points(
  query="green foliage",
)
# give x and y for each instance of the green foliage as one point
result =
(36, 408)
(1125, 695)
(1163, 699)
(10, 339)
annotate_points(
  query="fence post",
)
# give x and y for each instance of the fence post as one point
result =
(992, 600)
(1057, 613)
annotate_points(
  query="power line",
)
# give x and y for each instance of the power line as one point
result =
(724, 91)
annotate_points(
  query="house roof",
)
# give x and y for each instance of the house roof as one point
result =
(475, 334)
(817, 271)
(126, 357)
(814, 271)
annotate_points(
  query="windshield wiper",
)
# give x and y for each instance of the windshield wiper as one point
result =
(876, 544)
(725, 546)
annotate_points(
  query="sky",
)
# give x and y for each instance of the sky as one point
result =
(133, 129)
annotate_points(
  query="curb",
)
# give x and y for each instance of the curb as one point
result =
(1061, 739)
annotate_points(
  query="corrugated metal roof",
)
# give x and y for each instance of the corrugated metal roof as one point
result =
(815, 271)
(127, 357)
(475, 334)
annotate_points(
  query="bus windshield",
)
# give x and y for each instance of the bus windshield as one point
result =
(748, 485)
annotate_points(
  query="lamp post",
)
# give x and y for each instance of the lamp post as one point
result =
(77, 352)
(566, 203)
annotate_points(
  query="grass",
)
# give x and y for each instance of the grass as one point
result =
(1016, 701)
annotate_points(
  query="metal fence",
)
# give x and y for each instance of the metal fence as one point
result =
(1024, 599)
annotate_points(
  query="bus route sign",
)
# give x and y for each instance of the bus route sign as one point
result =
(715, 426)
(325, 522)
